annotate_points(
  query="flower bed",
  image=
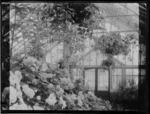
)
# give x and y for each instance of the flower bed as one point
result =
(32, 88)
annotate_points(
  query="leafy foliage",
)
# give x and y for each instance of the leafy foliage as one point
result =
(126, 96)
(107, 63)
(57, 22)
(76, 13)
(50, 90)
(114, 44)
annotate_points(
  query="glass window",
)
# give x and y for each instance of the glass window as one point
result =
(117, 72)
(135, 71)
(136, 79)
(90, 78)
(143, 72)
(130, 78)
(115, 81)
(93, 58)
(102, 79)
(129, 71)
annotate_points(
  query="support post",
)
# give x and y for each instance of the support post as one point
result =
(124, 76)
(109, 81)
(83, 76)
(110, 78)
(96, 80)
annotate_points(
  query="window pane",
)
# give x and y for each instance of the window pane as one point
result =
(119, 71)
(128, 71)
(143, 72)
(135, 71)
(136, 79)
(115, 81)
(102, 79)
(115, 72)
(90, 78)
(93, 58)
(130, 78)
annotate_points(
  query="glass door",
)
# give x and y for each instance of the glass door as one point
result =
(89, 79)
(103, 80)
(102, 89)
(98, 81)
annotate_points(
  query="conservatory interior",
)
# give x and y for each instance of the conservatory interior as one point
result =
(104, 60)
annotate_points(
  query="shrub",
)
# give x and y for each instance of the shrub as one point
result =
(126, 96)
(50, 90)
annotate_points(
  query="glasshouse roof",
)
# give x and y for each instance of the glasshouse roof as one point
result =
(119, 17)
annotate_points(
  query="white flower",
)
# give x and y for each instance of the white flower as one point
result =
(81, 95)
(90, 93)
(58, 87)
(50, 86)
(12, 95)
(73, 96)
(64, 81)
(33, 69)
(30, 61)
(35, 89)
(21, 100)
(47, 75)
(35, 81)
(28, 91)
(51, 100)
(23, 106)
(38, 97)
(14, 107)
(19, 94)
(18, 74)
(68, 97)
(18, 87)
(35, 107)
(20, 107)
(71, 85)
(30, 108)
(60, 92)
(11, 73)
(13, 79)
(44, 67)
(80, 103)
(62, 102)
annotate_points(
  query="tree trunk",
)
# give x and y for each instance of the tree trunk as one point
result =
(66, 56)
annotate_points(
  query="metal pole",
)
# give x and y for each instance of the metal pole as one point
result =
(96, 80)
(109, 81)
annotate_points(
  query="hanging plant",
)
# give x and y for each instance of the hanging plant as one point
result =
(113, 44)
(107, 63)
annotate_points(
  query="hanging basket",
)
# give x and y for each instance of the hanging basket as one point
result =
(112, 44)
(107, 63)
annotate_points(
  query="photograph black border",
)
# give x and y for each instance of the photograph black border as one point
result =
(5, 47)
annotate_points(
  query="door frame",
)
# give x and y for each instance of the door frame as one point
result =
(96, 77)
